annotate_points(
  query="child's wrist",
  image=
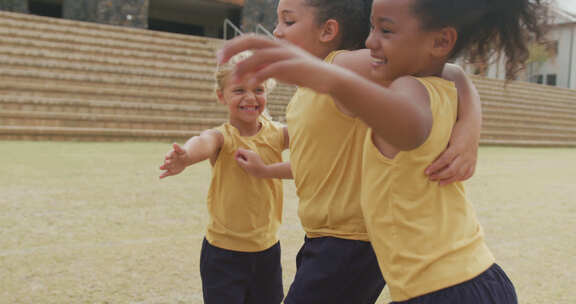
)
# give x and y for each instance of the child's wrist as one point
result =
(188, 160)
(264, 172)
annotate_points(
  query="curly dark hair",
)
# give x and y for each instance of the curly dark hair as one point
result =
(353, 17)
(486, 27)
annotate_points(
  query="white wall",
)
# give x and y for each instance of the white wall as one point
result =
(564, 64)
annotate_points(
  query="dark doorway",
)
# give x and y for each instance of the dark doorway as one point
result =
(45, 9)
(175, 27)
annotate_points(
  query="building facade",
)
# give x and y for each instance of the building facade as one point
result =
(553, 63)
(193, 17)
(558, 68)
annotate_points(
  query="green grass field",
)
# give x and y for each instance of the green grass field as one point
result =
(91, 223)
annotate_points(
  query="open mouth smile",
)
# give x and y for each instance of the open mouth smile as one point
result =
(250, 108)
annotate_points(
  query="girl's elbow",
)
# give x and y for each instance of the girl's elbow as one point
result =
(410, 144)
(414, 139)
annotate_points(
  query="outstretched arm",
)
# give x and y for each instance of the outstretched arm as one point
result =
(196, 149)
(458, 161)
(400, 114)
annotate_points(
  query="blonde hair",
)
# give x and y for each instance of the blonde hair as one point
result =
(224, 70)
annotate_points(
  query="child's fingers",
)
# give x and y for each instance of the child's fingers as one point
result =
(243, 43)
(448, 181)
(165, 174)
(275, 70)
(170, 155)
(240, 156)
(448, 172)
(243, 152)
(178, 149)
(242, 163)
(457, 171)
(261, 59)
(470, 173)
(167, 164)
(440, 163)
(457, 175)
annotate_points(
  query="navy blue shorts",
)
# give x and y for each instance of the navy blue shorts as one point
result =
(233, 277)
(333, 270)
(490, 287)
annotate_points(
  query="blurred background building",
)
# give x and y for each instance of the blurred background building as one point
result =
(552, 63)
(142, 70)
(194, 17)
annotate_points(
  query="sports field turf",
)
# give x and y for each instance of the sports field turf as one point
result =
(91, 223)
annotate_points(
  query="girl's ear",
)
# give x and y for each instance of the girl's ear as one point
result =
(329, 31)
(220, 95)
(444, 42)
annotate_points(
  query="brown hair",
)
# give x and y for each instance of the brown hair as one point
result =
(353, 16)
(486, 27)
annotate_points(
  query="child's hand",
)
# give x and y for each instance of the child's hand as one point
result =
(251, 162)
(175, 161)
(458, 161)
(276, 59)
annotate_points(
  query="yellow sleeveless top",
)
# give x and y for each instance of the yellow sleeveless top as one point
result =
(245, 211)
(426, 237)
(325, 155)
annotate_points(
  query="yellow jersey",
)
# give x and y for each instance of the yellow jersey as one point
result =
(326, 159)
(426, 237)
(245, 211)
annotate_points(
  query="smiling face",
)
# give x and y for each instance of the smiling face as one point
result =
(397, 43)
(297, 23)
(244, 105)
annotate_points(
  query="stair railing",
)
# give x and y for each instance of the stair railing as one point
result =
(228, 24)
(262, 30)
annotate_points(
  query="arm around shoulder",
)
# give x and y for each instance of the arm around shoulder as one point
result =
(469, 105)
(458, 161)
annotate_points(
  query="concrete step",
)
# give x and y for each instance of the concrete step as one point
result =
(277, 101)
(520, 86)
(106, 81)
(526, 143)
(550, 95)
(96, 30)
(71, 105)
(108, 51)
(62, 89)
(14, 58)
(285, 90)
(91, 120)
(527, 111)
(72, 84)
(528, 128)
(276, 111)
(196, 65)
(522, 120)
(92, 134)
(40, 34)
(522, 135)
(550, 101)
